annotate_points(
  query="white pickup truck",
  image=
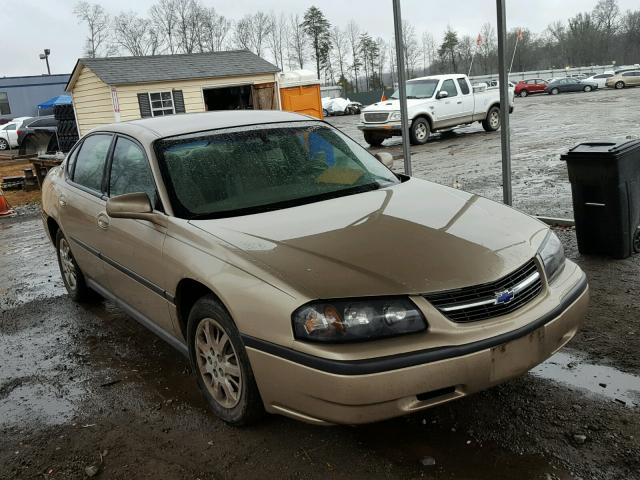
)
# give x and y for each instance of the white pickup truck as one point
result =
(435, 103)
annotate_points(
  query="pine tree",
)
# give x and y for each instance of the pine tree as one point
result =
(318, 29)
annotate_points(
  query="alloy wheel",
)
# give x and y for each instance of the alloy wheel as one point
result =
(3, 144)
(494, 119)
(524, 93)
(218, 363)
(421, 131)
(67, 264)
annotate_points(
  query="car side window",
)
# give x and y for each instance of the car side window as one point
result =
(90, 161)
(130, 171)
(71, 161)
(11, 126)
(449, 87)
(464, 86)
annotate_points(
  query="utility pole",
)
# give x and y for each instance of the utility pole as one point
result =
(507, 195)
(402, 85)
(45, 56)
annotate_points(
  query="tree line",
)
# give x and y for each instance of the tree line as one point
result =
(348, 55)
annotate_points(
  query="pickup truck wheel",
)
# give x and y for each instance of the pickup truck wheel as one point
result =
(619, 85)
(524, 93)
(221, 364)
(4, 145)
(373, 139)
(419, 131)
(492, 122)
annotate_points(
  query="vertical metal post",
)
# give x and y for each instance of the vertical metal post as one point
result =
(402, 86)
(46, 59)
(507, 194)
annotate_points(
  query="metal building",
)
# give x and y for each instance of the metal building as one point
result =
(20, 96)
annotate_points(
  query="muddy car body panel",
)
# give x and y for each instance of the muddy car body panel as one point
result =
(404, 242)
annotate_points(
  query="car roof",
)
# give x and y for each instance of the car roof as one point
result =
(170, 125)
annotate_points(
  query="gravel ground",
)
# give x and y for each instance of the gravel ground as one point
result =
(85, 386)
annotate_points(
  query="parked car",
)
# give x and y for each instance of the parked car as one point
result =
(38, 135)
(339, 106)
(9, 133)
(600, 79)
(569, 85)
(624, 79)
(301, 276)
(528, 87)
(438, 102)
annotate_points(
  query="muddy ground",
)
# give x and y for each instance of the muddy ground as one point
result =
(85, 385)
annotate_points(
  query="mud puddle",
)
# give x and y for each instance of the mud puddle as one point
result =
(571, 369)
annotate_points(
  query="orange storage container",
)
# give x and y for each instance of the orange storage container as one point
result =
(300, 93)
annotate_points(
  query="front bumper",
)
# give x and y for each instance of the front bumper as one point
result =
(325, 391)
(389, 127)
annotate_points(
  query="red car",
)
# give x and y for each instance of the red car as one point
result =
(527, 87)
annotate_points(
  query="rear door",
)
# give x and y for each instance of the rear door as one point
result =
(631, 78)
(82, 203)
(465, 100)
(132, 249)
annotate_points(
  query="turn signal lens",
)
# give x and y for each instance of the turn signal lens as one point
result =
(353, 320)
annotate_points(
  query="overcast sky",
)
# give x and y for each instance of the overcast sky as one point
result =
(29, 26)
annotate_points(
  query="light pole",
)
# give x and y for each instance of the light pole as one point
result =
(45, 56)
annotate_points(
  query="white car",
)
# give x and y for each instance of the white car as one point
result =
(9, 133)
(435, 103)
(600, 79)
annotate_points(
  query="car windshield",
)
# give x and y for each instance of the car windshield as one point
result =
(240, 171)
(419, 89)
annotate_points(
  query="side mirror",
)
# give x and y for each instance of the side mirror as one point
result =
(134, 206)
(442, 94)
(385, 158)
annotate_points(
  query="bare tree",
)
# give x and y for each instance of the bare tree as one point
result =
(214, 30)
(188, 25)
(428, 51)
(353, 37)
(252, 31)
(135, 35)
(339, 51)
(411, 50)
(98, 22)
(297, 41)
(278, 38)
(163, 18)
(488, 46)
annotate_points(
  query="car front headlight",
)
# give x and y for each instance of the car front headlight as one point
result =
(552, 255)
(355, 320)
(395, 116)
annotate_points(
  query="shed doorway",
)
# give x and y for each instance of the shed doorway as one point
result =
(241, 97)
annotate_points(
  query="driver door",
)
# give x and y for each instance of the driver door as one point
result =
(448, 110)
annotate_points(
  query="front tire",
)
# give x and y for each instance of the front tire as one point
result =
(524, 93)
(72, 277)
(554, 91)
(373, 139)
(419, 131)
(221, 364)
(587, 89)
(619, 85)
(4, 145)
(492, 122)
(325, 113)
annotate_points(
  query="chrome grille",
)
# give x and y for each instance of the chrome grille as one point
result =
(376, 117)
(480, 302)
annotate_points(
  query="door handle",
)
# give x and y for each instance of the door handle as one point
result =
(459, 102)
(103, 221)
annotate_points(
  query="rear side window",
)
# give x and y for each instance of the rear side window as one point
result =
(130, 171)
(43, 122)
(90, 161)
(464, 86)
(449, 87)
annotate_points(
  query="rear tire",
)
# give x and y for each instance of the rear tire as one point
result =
(325, 113)
(221, 365)
(524, 93)
(619, 85)
(373, 139)
(419, 131)
(72, 277)
(492, 122)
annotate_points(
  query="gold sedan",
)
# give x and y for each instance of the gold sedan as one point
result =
(298, 274)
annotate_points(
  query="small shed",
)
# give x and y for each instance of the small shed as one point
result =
(114, 89)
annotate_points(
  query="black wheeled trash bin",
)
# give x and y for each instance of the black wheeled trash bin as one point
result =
(605, 186)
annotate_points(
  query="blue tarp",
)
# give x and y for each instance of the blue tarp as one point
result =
(58, 100)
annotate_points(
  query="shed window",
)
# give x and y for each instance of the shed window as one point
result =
(5, 109)
(161, 103)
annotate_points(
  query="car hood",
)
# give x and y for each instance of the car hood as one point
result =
(394, 105)
(411, 238)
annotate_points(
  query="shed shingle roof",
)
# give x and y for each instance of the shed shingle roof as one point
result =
(160, 68)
